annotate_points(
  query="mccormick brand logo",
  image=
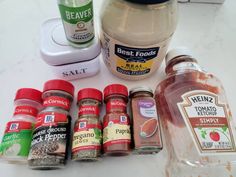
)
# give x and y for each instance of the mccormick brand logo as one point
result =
(49, 119)
(82, 125)
(123, 119)
(14, 126)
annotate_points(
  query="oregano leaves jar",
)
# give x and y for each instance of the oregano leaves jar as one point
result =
(86, 145)
(51, 136)
(135, 35)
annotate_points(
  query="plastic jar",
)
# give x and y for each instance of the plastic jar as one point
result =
(87, 139)
(146, 123)
(116, 122)
(18, 133)
(51, 137)
(135, 35)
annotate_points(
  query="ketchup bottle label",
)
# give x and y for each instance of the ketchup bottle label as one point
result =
(207, 120)
(116, 131)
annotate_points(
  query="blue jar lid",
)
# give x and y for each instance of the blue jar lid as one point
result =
(147, 1)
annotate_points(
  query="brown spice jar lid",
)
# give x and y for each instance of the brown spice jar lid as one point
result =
(140, 89)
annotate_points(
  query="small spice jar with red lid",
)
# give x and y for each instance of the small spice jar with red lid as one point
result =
(17, 137)
(116, 122)
(51, 136)
(87, 138)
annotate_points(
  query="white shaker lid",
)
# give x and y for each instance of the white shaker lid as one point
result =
(176, 52)
(56, 50)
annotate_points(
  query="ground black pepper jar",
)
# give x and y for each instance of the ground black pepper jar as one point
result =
(87, 137)
(49, 147)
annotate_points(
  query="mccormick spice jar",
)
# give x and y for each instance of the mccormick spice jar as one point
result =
(18, 133)
(135, 35)
(116, 122)
(87, 139)
(51, 136)
(146, 126)
(196, 119)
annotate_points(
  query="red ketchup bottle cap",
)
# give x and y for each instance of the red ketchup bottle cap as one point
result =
(90, 93)
(61, 85)
(115, 89)
(29, 93)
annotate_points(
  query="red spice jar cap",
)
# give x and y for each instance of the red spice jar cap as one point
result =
(115, 89)
(90, 93)
(61, 85)
(29, 93)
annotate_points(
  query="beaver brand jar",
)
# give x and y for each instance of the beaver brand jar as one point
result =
(116, 122)
(49, 147)
(18, 133)
(86, 145)
(135, 35)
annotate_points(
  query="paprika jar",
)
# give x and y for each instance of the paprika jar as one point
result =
(51, 137)
(116, 122)
(196, 119)
(87, 138)
(17, 137)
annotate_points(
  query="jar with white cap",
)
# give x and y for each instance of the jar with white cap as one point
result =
(67, 62)
(196, 119)
(135, 35)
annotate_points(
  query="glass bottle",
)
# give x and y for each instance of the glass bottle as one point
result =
(18, 132)
(197, 122)
(87, 138)
(77, 18)
(116, 122)
(51, 136)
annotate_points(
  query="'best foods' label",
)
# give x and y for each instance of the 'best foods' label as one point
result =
(116, 132)
(132, 60)
(208, 122)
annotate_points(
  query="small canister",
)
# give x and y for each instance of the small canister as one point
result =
(146, 126)
(67, 62)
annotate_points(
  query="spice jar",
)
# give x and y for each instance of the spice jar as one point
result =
(87, 137)
(18, 132)
(146, 126)
(135, 35)
(51, 137)
(116, 122)
(196, 119)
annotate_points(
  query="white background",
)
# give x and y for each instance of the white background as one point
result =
(208, 30)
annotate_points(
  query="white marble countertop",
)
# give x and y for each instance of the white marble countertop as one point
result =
(207, 29)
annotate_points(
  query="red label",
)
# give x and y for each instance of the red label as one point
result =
(57, 101)
(122, 120)
(17, 126)
(50, 119)
(83, 125)
(91, 110)
(116, 104)
(27, 110)
(110, 143)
